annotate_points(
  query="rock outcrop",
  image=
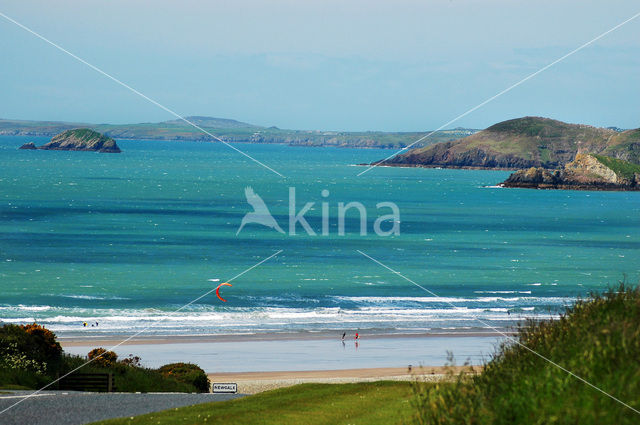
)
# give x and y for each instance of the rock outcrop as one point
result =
(29, 146)
(81, 139)
(586, 172)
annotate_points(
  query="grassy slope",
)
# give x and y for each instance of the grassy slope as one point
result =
(384, 403)
(598, 340)
(535, 141)
(625, 145)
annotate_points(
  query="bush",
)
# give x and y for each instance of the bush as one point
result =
(12, 358)
(30, 347)
(102, 358)
(187, 373)
(30, 358)
(133, 361)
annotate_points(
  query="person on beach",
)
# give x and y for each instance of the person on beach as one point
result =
(343, 335)
(357, 336)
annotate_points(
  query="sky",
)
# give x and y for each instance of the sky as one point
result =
(327, 65)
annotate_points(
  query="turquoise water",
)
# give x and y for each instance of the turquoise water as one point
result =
(126, 239)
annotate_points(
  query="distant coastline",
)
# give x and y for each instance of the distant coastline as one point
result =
(233, 131)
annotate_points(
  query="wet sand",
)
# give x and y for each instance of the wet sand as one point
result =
(255, 382)
(298, 352)
(111, 340)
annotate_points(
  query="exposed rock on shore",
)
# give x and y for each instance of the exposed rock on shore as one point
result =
(586, 172)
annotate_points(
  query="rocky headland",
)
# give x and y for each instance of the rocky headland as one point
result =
(523, 143)
(585, 172)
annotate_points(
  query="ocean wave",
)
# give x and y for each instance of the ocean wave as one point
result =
(272, 319)
(21, 307)
(452, 300)
(502, 292)
(291, 312)
(89, 297)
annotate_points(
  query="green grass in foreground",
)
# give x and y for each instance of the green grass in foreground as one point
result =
(384, 403)
(597, 339)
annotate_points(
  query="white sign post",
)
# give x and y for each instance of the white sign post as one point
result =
(225, 388)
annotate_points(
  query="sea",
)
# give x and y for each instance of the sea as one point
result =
(138, 242)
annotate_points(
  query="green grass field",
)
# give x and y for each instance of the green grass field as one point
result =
(383, 403)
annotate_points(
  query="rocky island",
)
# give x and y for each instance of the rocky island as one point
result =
(523, 143)
(29, 146)
(585, 172)
(78, 139)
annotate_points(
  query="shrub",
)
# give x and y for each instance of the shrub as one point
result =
(132, 361)
(46, 339)
(103, 358)
(33, 344)
(187, 373)
(31, 358)
(12, 358)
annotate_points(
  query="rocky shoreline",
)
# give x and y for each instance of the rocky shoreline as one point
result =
(586, 172)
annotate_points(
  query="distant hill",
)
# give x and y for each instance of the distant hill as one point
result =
(78, 139)
(235, 131)
(212, 122)
(523, 143)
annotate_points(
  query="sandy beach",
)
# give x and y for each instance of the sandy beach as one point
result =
(268, 361)
(255, 382)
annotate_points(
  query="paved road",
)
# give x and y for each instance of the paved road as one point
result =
(77, 408)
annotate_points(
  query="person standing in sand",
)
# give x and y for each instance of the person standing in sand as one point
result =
(344, 334)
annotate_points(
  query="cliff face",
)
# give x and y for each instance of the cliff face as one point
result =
(457, 155)
(82, 139)
(524, 142)
(586, 172)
